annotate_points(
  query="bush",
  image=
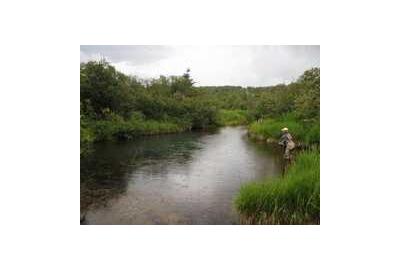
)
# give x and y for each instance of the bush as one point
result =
(103, 87)
(127, 129)
(232, 117)
(291, 199)
(86, 138)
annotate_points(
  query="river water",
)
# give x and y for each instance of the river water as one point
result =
(186, 178)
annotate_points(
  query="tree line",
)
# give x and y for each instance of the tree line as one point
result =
(117, 106)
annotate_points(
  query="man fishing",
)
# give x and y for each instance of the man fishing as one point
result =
(286, 141)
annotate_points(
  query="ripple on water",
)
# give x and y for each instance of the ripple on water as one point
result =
(187, 178)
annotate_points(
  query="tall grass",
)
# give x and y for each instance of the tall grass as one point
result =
(232, 117)
(291, 199)
(305, 132)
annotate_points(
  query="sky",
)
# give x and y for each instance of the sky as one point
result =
(210, 65)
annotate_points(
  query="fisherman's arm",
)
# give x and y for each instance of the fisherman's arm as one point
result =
(283, 140)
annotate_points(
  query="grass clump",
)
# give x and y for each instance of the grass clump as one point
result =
(232, 117)
(304, 132)
(291, 199)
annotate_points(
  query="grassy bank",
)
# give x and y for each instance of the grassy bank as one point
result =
(117, 128)
(120, 129)
(232, 117)
(304, 132)
(109, 130)
(125, 130)
(291, 199)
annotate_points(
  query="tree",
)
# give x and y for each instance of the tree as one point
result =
(307, 104)
(105, 89)
(183, 84)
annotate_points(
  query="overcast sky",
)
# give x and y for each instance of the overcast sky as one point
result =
(210, 65)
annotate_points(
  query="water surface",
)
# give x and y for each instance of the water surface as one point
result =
(186, 178)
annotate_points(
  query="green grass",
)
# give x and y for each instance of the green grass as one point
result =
(303, 132)
(291, 199)
(117, 128)
(232, 117)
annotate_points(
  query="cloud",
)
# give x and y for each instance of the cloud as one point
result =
(135, 55)
(211, 65)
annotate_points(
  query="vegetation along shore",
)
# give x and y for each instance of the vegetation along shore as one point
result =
(115, 106)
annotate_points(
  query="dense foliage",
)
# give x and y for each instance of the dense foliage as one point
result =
(295, 106)
(117, 106)
(232, 117)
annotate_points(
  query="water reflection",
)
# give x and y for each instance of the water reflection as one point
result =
(188, 178)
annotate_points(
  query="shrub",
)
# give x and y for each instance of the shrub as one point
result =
(127, 129)
(232, 117)
(86, 138)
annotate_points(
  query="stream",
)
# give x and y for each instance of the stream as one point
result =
(185, 178)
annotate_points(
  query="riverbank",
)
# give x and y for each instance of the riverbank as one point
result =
(117, 128)
(305, 133)
(120, 129)
(290, 199)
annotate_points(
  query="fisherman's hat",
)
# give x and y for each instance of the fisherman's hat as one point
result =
(285, 129)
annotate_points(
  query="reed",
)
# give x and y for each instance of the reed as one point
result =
(291, 199)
